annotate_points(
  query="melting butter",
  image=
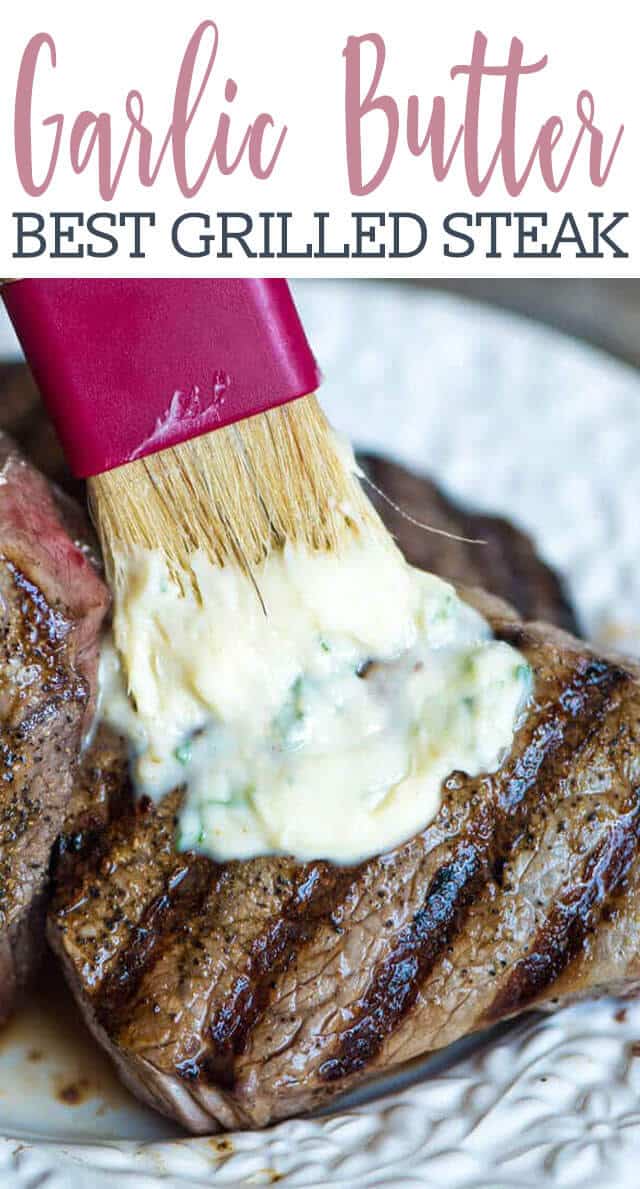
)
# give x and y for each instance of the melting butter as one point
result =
(319, 719)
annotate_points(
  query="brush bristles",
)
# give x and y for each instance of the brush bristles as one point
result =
(234, 494)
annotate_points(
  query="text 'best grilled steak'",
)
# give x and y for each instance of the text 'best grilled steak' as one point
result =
(236, 994)
(52, 603)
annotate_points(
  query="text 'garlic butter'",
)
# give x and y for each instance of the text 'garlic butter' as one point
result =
(319, 719)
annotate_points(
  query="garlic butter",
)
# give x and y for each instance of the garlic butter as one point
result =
(318, 719)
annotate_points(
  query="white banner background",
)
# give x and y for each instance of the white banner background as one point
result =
(287, 59)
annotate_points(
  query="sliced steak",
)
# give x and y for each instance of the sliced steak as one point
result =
(236, 994)
(52, 602)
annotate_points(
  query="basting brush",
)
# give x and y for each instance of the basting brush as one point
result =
(189, 407)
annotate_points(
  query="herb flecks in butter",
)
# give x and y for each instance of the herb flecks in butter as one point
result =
(320, 721)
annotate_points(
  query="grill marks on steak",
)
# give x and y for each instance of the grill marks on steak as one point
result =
(546, 876)
(477, 846)
(241, 993)
(191, 926)
(286, 906)
(395, 983)
(602, 854)
(51, 606)
(576, 914)
(110, 887)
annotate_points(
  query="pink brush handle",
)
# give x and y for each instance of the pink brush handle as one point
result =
(129, 367)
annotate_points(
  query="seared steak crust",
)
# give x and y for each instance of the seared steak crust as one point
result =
(505, 564)
(51, 607)
(237, 994)
(101, 793)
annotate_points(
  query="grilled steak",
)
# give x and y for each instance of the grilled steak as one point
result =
(239, 994)
(51, 607)
(236, 994)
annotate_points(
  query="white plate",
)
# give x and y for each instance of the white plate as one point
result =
(515, 419)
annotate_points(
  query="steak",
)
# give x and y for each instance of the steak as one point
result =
(479, 550)
(52, 602)
(236, 994)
